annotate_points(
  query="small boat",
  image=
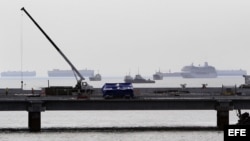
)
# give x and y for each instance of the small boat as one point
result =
(158, 76)
(137, 79)
(97, 77)
(128, 78)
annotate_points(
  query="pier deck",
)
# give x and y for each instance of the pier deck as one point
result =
(144, 100)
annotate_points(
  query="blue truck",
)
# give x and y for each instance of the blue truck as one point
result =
(117, 90)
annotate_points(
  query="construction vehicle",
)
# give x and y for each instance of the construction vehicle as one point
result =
(82, 89)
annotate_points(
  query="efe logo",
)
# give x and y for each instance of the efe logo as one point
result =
(237, 132)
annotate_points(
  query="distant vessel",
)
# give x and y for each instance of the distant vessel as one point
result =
(137, 79)
(18, 73)
(158, 76)
(171, 74)
(205, 71)
(69, 73)
(128, 78)
(96, 77)
(239, 72)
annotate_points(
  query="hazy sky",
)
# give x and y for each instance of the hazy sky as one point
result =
(118, 36)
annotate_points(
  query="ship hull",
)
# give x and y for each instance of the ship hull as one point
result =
(158, 77)
(143, 82)
(134, 81)
(138, 79)
(174, 74)
(194, 75)
(69, 73)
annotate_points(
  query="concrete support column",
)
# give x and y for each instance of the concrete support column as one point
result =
(223, 108)
(34, 121)
(34, 118)
(222, 119)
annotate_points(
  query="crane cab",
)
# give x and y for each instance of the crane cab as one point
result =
(83, 87)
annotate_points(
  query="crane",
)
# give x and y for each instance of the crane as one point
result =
(81, 86)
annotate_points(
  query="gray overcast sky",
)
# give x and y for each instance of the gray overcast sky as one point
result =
(118, 36)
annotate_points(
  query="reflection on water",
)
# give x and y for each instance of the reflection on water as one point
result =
(69, 125)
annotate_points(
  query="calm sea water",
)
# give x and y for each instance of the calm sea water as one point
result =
(39, 82)
(81, 119)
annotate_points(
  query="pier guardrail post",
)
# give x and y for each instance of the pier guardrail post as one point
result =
(223, 108)
(34, 115)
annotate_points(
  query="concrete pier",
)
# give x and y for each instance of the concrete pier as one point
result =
(35, 105)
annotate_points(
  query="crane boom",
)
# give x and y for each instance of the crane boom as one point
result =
(51, 41)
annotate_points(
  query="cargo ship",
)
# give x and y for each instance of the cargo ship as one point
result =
(171, 74)
(238, 72)
(18, 74)
(69, 73)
